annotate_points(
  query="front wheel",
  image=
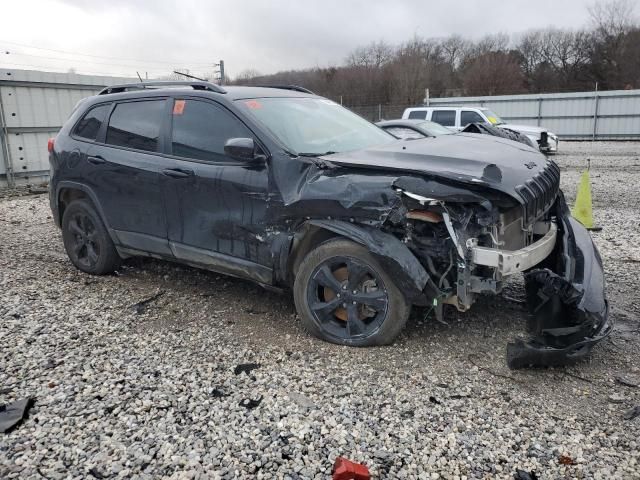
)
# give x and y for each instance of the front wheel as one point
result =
(344, 296)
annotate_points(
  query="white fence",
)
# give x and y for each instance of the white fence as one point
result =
(610, 115)
(33, 107)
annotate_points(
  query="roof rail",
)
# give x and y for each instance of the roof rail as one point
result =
(157, 83)
(295, 88)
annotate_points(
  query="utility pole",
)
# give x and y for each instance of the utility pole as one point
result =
(220, 71)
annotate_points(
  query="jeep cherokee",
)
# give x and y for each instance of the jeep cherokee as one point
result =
(290, 190)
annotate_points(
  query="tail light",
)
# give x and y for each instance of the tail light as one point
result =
(51, 144)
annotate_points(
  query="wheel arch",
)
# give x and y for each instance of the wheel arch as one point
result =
(67, 192)
(394, 255)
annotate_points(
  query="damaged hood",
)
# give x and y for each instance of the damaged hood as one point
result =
(492, 162)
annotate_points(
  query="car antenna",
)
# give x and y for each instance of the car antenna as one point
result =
(189, 76)
(141, 81)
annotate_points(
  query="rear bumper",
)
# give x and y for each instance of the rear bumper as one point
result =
(566, 298)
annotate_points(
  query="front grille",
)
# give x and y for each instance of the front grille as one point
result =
(539, 192)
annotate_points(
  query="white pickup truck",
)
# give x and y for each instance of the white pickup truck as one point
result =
(456, 118)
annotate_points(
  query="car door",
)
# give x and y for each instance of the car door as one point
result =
(446, 118)
(216, 211)
(125, 174)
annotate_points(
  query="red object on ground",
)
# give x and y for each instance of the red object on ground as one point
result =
(344, 469)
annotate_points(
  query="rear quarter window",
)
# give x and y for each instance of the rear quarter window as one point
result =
(91, 122)
(136, 125)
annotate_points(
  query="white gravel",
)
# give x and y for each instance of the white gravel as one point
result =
(126, 395)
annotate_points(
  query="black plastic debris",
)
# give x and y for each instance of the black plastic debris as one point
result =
(217, 393)
(524, 475)
(13, 413)
(246, 368)
(250, 404)
(632, 413)
(141, 306)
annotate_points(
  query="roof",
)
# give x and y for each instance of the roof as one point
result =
(445, 106)
(401, 122)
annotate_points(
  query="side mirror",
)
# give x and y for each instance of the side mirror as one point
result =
(243, 149)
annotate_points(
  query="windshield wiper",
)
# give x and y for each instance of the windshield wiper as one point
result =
(318, 154)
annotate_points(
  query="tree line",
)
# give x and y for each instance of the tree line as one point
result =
(606, 52)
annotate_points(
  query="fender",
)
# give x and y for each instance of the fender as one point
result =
(55, 202)
(395, 256)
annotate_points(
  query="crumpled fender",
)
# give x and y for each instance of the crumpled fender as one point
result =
(566, 299)
(395, 256)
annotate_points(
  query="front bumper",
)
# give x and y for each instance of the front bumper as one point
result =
(566, 299)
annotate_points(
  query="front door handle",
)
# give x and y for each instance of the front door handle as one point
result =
(96, 160)
(177, 172)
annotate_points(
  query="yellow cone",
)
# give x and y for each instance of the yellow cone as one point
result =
(582, 210)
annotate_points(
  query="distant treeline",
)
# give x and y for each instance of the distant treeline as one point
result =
(549, 60)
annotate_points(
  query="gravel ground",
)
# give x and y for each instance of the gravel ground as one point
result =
(126, 392)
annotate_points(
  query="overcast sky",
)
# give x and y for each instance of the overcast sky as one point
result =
(268, 36)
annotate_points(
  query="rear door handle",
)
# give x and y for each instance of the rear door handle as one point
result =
(177, 172)
(96, 160)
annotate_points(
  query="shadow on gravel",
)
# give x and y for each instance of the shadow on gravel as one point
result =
(247, 310)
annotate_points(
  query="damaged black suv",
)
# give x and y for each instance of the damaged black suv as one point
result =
(289, 189)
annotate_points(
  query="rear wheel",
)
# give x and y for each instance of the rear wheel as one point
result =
(86, 239)
(344, 296)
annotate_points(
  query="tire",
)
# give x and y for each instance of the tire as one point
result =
(87, 241)
(368, 310)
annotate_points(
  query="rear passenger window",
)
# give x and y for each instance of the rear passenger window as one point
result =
(446, 118)
(418, 115)
(90, 124)
(467, 117)
(201, 129)
(136, 125)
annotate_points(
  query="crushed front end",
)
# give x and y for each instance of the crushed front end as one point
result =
(470, 240)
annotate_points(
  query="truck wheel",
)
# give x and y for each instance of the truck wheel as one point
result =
(344, 296)
(86, 239)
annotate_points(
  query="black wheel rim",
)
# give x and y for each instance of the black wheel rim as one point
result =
(84, 248)
(347, 298)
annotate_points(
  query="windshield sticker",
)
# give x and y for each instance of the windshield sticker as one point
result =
(178, 107)
(253, 104)
(493, 120)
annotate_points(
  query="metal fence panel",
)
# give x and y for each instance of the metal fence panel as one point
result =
(578, 115)
(34, 105)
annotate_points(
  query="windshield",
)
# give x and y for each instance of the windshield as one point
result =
(492, 117)
(434, 128)
(315, 126)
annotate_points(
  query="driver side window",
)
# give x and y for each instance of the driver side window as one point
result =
(201, 129)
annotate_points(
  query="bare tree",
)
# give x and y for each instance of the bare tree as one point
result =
(493, 73)
(374, 55)
(612, 18)
(246, 76)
